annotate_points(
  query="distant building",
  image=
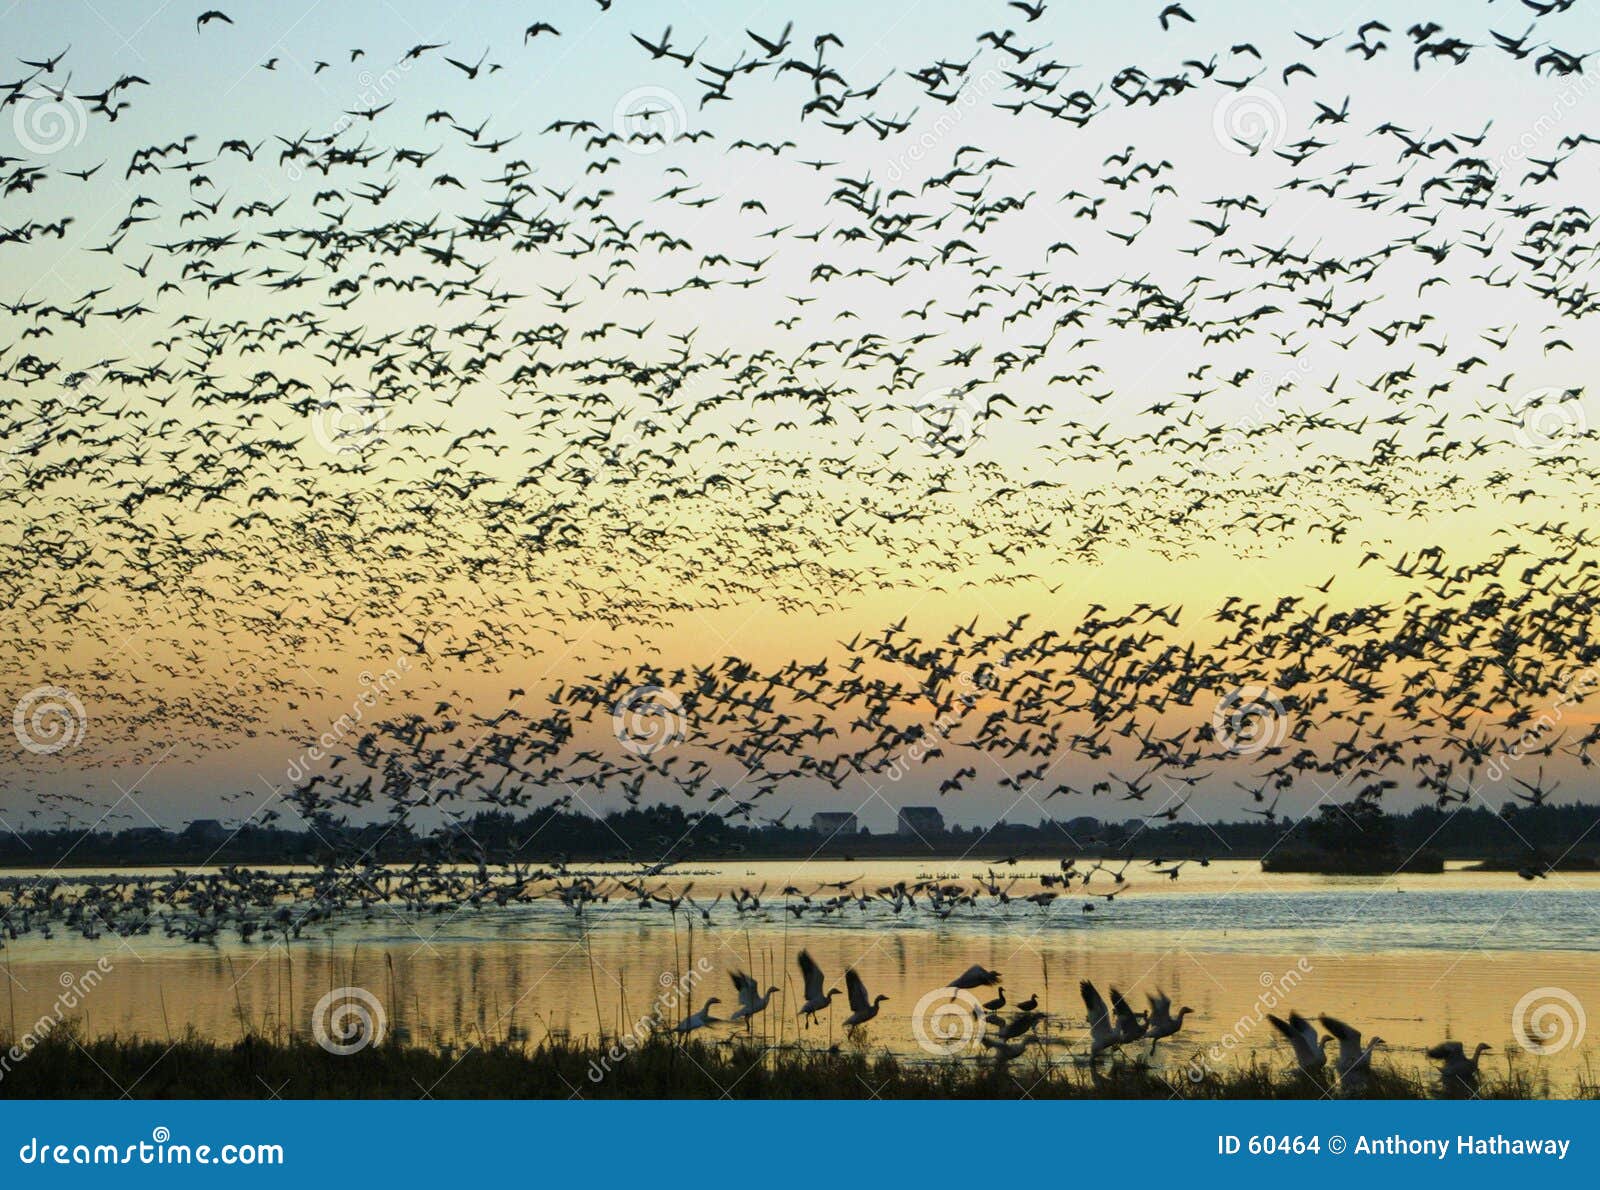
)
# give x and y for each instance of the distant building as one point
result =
(919, 820)
(835, 822)
(204, 830)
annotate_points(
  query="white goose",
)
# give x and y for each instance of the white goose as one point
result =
(815, 1000)
(1005, 1051)
(1131, 1025)
(1354, 1062)
(698, 1020)
(1103, 1035)
(1455, 1063)
(862, 1010)
(1309, 1049)
(1162, 1023)
(751, 1001)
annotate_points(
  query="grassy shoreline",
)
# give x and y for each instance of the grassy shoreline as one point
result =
(63, 1066)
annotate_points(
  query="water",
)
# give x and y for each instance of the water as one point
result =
(1413, 958)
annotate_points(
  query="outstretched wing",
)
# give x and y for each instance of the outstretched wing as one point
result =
(1119, 1004)
(856, 989)
(1345, 1034)
(1349, 1039)
(1094, 1004)
(812, 974)
(1447, 1051)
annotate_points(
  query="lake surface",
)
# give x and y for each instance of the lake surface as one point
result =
(1415, 959)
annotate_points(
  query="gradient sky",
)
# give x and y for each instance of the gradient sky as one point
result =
(213, 682)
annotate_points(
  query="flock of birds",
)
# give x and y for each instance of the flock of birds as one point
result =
(255, 904)
(270, 477)
(1110, 1029)
(548, 398)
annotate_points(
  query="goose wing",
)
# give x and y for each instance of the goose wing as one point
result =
(1098, 1016)
(812, 974)
(1448, 1051)
(975, 976)
(1160, 1005)
(1299, 1033)
(1120, 1005)
(856, 989)
(1349, 1039)
(745, 986)
(1342, 1031)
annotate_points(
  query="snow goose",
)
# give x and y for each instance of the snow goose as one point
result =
(1102, 1034)
(751, 1001)
(862, 1009)
(1162, 1023)
(1309, 1049)
(698, 1020)
(815, 1000)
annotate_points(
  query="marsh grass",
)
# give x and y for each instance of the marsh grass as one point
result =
(65, 1065)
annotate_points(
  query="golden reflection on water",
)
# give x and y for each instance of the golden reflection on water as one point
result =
(490, 976)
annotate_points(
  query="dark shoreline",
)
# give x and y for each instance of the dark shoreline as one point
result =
(63, 1066)
(665, 834)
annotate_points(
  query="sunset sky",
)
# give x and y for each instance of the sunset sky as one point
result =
(491, 369)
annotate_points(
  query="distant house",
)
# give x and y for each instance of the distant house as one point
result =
(835, 822)
(920, 820)
(204, 830)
